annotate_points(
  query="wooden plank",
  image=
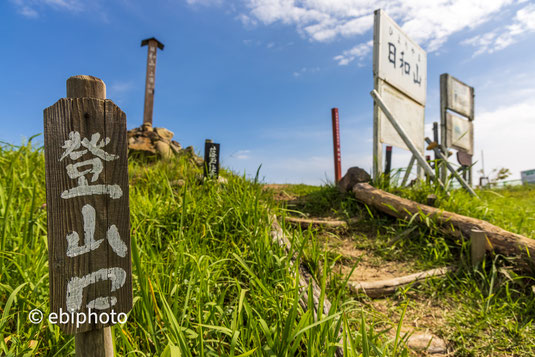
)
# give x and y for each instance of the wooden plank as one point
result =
(88, 212)
(478, 246)
(380, 288)
(306, 222)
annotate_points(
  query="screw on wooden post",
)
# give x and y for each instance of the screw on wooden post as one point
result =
(88, 214)
(478, 242)
(153, 45)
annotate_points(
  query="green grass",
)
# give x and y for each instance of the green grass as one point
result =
(207, 278)
(511, 208)
(487, 310)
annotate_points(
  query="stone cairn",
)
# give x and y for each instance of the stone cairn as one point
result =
(149, 141)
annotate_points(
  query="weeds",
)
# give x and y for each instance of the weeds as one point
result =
(207, 278)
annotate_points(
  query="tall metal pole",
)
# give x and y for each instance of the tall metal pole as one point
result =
(336, 145)
(153, 45)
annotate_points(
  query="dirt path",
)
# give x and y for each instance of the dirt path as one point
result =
(424, 315)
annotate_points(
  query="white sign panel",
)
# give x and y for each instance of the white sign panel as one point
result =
(397, 59)
(460, 98)
(528, 176)
(460, 133)
(408, 113)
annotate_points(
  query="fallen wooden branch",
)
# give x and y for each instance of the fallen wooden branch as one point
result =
(306, 222)
(305, 278)
(380, 288)
(497, 239)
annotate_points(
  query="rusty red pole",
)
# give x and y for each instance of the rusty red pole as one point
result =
(153, 45)
(336, 145)
(388, 160)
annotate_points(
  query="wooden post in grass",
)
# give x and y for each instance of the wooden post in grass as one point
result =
(88, 215)
(478, 242)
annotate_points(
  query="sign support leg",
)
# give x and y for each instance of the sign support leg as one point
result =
(404, 136)
(453, 171)
(408, 172)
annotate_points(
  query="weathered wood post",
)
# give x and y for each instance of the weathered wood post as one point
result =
(88, 215)
(336, 145)
(478, 246)
(211, 159)
(153, 44)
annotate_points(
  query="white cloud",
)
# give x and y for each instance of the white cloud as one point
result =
(523, 23)
(242, 155)
(31, 8)
(428, 22)
(505, 135)
(305, 70)
(361, 51)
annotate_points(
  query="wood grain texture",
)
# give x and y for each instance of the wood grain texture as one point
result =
(86, 86)
(498, 239)
(478, 246)
(306, 222)
(94, 343)
(86, 116)
(381, 288)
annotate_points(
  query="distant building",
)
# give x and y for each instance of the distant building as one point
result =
(528, 176)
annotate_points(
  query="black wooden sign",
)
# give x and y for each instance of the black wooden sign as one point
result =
(211, 159)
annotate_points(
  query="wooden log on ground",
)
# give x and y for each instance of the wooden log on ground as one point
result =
(305, 278)
(380, 288)
(306, 222)
(497, 239)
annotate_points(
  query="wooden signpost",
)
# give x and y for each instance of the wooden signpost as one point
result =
(153, 45)
(88, 215)
(336, 145)
(211, 159)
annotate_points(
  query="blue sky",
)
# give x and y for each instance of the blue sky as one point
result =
(260, 76)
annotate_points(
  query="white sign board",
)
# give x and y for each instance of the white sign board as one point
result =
(408, 113)
(528, 176)
(397, 59)
(460, 97)
(460, 133)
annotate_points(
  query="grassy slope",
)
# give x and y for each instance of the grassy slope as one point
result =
(207, 279)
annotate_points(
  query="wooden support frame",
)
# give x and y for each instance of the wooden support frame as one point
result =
(419, 158)
(453, 171)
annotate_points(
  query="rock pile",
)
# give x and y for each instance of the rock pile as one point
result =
(148, 141)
